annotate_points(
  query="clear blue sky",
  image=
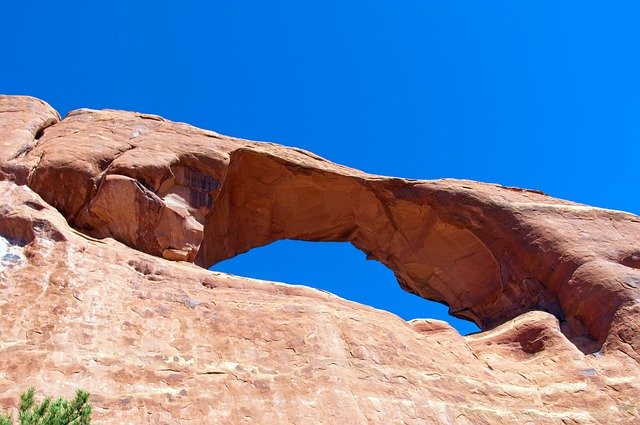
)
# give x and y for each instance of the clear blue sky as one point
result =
(542, 94)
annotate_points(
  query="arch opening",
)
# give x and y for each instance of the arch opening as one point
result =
(339, 268)
(265, 198)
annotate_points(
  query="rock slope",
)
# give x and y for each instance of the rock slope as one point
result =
(107, 216)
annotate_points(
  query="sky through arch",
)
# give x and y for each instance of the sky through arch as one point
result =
(342, 269)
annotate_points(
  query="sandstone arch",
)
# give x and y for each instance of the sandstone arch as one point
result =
(264, 199)
(448, 241)
(490, 252)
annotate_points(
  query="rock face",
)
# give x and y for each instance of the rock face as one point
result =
(104, 211)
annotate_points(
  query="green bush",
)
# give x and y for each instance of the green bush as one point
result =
(58, 412)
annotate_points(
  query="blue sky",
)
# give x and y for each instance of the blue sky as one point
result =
(541, 94)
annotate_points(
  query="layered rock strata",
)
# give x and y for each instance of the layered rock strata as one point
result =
(104, 210)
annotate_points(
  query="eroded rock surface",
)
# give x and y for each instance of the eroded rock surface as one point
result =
(96, 205)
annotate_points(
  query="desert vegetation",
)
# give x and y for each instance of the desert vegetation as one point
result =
(51, 412)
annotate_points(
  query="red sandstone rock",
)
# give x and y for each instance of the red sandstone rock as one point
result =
(554, 285)
(22, 121)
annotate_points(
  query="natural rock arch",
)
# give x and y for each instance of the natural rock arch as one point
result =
(264, 199)
(447, 241)
(490, 252)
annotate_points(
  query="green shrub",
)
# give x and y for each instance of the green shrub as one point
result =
(49, 412)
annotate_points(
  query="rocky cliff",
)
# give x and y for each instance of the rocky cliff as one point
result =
(108, 217)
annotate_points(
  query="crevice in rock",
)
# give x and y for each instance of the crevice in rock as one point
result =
(15, 172)
(98, 181)
(40, 131)
(631, 259)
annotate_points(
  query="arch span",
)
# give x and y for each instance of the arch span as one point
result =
(443, 249)
(265, 198)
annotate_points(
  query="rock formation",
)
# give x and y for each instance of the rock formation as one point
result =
(107, 217)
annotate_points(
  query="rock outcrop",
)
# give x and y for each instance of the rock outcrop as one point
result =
(104, 211)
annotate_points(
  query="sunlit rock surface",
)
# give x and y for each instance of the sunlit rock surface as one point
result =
(104, 211)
